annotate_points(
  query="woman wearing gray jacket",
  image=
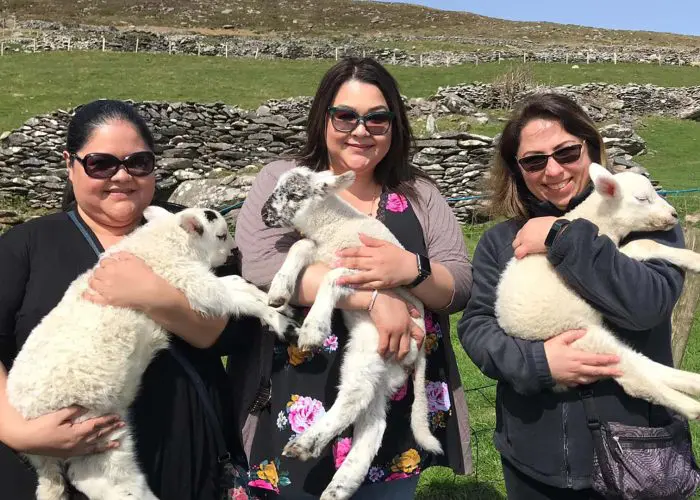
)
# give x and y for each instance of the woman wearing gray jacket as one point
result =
(540, 173)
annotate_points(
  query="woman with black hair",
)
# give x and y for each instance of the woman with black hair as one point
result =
(358, 123)
(110, 163)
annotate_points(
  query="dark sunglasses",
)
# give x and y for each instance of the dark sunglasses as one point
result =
(346, 120)
(535, 163)
(104, 165)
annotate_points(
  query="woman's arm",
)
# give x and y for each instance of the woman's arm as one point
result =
(528, 366)
(631, 294)
(263, 250)
(123, 280)
(384, 265)
(53, 434)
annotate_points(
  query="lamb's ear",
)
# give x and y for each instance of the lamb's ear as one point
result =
(604, 182)
(330, 183)
(153, 212)
(191, 223)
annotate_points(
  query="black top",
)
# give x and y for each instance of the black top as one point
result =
(541, 432)
(175, 444)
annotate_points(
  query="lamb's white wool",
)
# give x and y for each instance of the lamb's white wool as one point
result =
(306, 200)
(621, 204)
(94, 356)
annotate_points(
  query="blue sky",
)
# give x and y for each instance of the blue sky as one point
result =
(675, 16)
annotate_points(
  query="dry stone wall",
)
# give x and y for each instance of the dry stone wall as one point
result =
(212, 152)
(36, 36)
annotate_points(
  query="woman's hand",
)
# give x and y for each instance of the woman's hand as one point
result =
(392, 317)
(124, 280)
(530, 239)
(58, 435)
(571, 366)
(381, 265)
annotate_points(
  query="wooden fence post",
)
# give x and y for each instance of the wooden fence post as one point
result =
(684, 312)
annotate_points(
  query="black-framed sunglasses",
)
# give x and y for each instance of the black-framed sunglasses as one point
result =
(346, 120)
(105, 165)
(567, 154)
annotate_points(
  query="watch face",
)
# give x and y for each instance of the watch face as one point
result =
(424, 265)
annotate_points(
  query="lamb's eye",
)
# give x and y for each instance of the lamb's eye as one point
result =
(222, 237)
(643, 199)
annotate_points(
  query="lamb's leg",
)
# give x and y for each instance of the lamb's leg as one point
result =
(642, 378)
(419, 411)
(366, 440)
(112, 475)
(317, 324)
(362, 379)
(301, 254)
(649, 249)
(237, 297)
(51, 485)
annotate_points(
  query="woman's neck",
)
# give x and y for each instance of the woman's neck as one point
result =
(108, 235)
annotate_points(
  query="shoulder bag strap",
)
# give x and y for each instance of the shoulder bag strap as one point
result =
(221, 450)
(594, 425)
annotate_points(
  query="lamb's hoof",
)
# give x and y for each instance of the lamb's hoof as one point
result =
(283, 326)
(312, 335)
(301, 449)
(279, 294)
(335, 493)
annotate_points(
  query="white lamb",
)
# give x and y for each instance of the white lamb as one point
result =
(306, 200)
(94, 356)
(621, 204)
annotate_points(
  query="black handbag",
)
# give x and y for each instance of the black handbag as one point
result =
(638, 463)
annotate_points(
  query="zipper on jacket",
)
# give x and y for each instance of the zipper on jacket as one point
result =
(567, 467)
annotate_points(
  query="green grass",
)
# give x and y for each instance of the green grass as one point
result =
(42, 82)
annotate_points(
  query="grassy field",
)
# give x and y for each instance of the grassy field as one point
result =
(337, 18)
(43, 82)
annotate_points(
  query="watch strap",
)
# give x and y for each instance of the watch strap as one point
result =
(558, 225)
(424, 272)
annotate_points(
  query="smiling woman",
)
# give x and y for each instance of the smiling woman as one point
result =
(358, 123)
(110, 161)
(541, 172)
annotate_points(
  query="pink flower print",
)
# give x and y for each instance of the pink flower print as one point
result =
(401, 393)
(430, 325)
(331, 343)
(303, 413)
(237, 494)
(397, 475)
(262, 484)
(396, 202)
(438, 396)
(341, 448)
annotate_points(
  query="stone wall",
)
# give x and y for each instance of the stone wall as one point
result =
(35, 36)
(204, 144)
(602, 101)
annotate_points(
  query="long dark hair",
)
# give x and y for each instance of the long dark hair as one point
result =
(510, 196)
(394, 171)
(95, 114)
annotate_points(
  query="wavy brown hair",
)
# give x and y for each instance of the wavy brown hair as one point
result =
(394, 171)
(510, 196)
